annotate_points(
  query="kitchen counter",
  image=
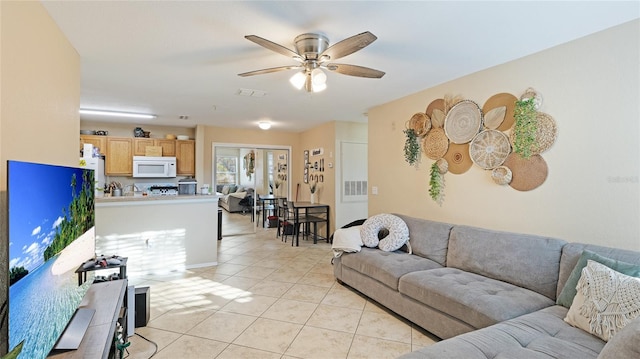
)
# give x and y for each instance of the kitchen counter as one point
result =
(158, 233)
(121, 200)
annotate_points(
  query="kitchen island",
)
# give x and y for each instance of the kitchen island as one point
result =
(158, 234)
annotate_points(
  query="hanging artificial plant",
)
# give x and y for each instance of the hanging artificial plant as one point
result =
(436, 184)
(411, 147)
(525, 128)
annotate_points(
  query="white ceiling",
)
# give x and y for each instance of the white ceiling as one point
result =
(173, 58)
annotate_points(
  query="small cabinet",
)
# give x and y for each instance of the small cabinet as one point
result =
(96, 141)
(186, 157)
(119, 157)
(140, 145)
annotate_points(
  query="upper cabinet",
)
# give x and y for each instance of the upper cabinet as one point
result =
(140, 145)
(96, 141)
(119, 152)
(186, 157)
(119, 157)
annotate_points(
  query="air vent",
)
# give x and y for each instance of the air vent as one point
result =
(251, 93)
(355, 188)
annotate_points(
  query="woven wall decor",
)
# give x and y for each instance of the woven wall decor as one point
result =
(435, 143)
(494, 118)
(458, 158)
(501, 175)
(528, 173)
(420, 124)
(489, 149)
(502, 99)
(435, 104)
(463, 122)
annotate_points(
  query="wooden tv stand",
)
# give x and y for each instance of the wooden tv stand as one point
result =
(107, 298)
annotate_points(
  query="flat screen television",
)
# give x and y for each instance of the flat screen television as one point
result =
(51, 232)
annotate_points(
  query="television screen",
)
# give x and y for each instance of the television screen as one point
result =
(51, 226)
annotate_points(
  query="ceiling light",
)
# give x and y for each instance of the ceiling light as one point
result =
(298, 80)
(319, 87)
(318, 77)
(265, 125)
(116, 114)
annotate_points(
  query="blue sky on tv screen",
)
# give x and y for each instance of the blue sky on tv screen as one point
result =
(39, 196)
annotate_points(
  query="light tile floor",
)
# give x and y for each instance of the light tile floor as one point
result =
(267, 299)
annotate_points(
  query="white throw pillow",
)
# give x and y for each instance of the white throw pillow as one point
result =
(398, 232)
(606, 301)
(225, 189)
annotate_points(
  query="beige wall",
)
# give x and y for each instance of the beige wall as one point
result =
(591, 88)
(323, 136)
(40, 96)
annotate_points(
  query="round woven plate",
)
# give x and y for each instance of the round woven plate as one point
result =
(463, 122)
(435, 104)
(528, 173)
(420, 124)
(435, 144)
(502, 99)
(545, 135)
(494, 118)
(489, 149)
(458, 158)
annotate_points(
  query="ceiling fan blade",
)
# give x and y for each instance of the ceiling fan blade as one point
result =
(269, 70)
(349, 45)
(354, 70)
(273, 46)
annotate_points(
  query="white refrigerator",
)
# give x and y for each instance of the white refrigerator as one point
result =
(97, 165)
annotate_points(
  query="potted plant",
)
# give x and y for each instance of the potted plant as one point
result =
(525, 128)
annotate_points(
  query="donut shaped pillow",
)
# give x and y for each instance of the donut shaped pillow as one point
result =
(398, 232)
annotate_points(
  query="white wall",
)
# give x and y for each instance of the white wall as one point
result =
(592, 194)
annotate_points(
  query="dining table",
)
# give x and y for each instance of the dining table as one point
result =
(311, 213)
(268, 203)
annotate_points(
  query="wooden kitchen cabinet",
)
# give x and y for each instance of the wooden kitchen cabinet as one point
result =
(96, 141)
(140, 145)
(168, 146)
(186, 157)
(119, 156)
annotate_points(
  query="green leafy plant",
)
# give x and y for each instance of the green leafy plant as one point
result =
(525, 128)
(436, 184)
(411, 147)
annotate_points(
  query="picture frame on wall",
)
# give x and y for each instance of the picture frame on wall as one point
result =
(306, 166)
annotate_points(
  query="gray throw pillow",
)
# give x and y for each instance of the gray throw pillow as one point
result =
(569, 291)
(624, 344)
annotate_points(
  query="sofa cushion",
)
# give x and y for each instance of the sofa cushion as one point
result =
(624, 344)
(569, 291)
(386, 267)
(527, 261)
(572, 252)
(606, 301)
(542, 334)
(428, 239)
(479, 301)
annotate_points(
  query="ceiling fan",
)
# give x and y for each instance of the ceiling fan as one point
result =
(313, 54)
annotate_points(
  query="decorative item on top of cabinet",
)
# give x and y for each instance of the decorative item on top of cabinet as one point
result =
(186, 157)
(140, 144)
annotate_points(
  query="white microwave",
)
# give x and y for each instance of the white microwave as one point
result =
(154, 167)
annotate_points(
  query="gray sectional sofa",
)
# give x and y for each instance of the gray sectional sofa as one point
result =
(493, 293)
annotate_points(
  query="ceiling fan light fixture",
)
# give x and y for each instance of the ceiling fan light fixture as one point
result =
(319, 87)
(265, 125)
(318, 77)
(298, 80)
